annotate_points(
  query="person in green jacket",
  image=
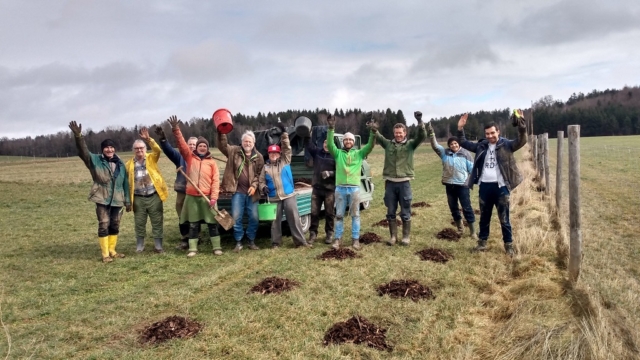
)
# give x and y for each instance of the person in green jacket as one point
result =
(110, 190)
(348, 175)
(397, 173)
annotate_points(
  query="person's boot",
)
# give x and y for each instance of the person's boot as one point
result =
(183, 245)
(113, 241)
(406, 231)
(336, 244)
(312, 237)
(215, 244)
(356, 244)
(329, 238)
(158, 246)
(104, 249)
(393, 231)
(482, 246)
(193, 247)
(460, 226)
(139, 244)
(508, 248)
(472, 231)
(238, 247)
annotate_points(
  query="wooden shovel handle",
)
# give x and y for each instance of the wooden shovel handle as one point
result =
(179, 169)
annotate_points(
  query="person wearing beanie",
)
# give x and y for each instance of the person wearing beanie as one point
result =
(398, 173)
(456, 169)
(180, 185)
(148, 190)
(497, 175)
(110, 190)
(276, 182)
(203, 171)
(348, 170)
(241, 178)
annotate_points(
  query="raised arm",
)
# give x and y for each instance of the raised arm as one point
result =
(464, 143)
(439, 149)
(366, 150)
(182, 145)
(83, 151)
(155, 149)
(518, 120)
(223, 144)
(285, 148)
(384, 142)
(422, 133)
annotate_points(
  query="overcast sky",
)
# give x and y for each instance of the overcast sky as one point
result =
(121, 63)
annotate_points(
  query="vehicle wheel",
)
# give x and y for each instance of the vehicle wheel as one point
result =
(305, 221)
(365, 205)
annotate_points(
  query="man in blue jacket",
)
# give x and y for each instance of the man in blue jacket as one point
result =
(495, 170)
(180, 185)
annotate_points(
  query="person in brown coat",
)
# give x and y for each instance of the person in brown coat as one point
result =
(241, 177)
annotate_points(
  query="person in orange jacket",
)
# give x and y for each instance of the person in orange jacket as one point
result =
(203, 171)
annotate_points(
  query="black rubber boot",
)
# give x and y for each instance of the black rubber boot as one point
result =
(393, 232)
(406, 231)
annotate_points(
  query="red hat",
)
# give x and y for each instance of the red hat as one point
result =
(273, 148)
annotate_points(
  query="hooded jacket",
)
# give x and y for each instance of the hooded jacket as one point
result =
(152, 169)
(349, 162)
(456, 166)
(203, 171)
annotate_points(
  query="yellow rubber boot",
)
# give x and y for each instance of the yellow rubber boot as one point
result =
(113, 240)
(104, 248)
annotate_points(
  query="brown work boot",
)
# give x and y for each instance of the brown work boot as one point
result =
(312, 237)
(482, 246)
(508, 248)
(336, 244)
(393, 231)
(329, 238)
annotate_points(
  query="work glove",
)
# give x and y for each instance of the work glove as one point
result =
(517, 118)
(331, 121)
(212, 203)
(128, 207)
(327, 174)
(173, 121)
(251, 191)
(160, 133)
(372, 126)
(418, 116)
(76, 128)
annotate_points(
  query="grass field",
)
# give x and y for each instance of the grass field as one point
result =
(59, 301)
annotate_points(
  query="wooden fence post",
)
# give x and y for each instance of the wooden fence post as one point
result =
(575, 245)
(540, 162)
(559, 172)
(546, 163)
(534, 151)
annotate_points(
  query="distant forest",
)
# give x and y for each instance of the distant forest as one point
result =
(600, 113)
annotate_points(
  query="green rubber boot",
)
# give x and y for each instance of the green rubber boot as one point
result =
(215, 244)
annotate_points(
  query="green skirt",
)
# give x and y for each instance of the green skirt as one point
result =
(196, 209)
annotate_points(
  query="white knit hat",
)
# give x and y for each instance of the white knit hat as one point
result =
(349, 136)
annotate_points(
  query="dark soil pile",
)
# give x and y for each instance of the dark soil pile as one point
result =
(170, 328)
(406, 288)
(385, 223)
(436, 255)
(448, 234)
(357, 330)
(420, 204)
(370, 238)
(339, 254)
(274, 285)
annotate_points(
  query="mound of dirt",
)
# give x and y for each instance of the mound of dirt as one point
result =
(406, 288)
(370, 238)
(339, 254)
(437, 255)
(385, 223)
(448, 234)
(420, 204)
(357, 330)
(170, 328)
(274, 285)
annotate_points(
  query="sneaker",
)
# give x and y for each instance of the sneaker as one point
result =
(253, 247)
(218, 252)
(508, 248)
(482, 246)
(107, 259)
(336, 244)
(238, 248)
(192, 254)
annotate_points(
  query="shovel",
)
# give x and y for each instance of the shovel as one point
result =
(222, 216)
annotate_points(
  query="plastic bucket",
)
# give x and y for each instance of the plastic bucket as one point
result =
(267, 211)
(303, 126)
(222, 121)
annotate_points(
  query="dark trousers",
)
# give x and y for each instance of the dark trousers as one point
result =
(398, 193)
(194, 230)
(492, 195)
(318, 197)
(460, 193)
(108, 219)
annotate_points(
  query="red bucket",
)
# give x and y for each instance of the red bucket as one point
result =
(222, 121)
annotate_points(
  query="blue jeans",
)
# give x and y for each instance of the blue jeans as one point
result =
(460, 193)
(348, 195)
(398, 193)
(241, 204)
(492, 195)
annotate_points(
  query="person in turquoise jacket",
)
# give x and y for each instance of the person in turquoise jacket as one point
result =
(456, 169)
(110, 190)
(348, 177)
